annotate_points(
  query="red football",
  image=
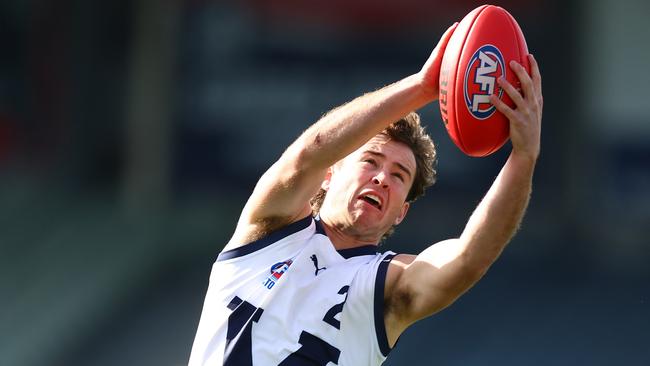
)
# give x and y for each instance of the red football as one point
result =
(477, 54)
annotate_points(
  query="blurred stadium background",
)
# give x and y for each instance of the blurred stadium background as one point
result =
(131, 133)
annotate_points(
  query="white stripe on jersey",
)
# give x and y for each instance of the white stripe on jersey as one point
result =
(291, 299)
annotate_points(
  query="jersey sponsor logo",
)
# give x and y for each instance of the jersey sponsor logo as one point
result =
(277, 270)
(315, 260)
(483, 70)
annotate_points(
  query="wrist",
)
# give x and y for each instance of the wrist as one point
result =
(425, 86)
(524, 158)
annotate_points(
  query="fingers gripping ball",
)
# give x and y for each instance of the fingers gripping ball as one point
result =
(477, 54)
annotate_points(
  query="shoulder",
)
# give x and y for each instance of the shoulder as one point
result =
(397, 294)
(248, 232)
(250, 228)
(269, 234)
(398, 297)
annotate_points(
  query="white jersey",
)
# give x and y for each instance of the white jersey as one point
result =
(292, 299)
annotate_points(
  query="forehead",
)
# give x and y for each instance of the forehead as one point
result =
(393, 150)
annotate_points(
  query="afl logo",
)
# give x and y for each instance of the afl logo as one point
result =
(483, 70)
(278, 269)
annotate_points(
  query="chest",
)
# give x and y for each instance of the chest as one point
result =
(294, 308)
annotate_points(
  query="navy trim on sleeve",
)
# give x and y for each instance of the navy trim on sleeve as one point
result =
(267, 240)
(380, 326)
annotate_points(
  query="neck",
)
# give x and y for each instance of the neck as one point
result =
(343, 238)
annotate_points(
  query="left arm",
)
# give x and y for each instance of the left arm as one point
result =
(418, 286)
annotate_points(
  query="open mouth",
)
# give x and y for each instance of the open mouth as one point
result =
(373, 200)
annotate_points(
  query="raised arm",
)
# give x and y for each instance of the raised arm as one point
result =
(418, 286)
(282, 194)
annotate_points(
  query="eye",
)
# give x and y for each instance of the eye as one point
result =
(399, 176)
(370, 161)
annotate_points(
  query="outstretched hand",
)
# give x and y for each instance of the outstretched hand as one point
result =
(526, 118)
(430, 72)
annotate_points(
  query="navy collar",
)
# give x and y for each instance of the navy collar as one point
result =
(353, 252)
(350, 252)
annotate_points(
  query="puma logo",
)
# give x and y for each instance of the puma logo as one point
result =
(315, 260)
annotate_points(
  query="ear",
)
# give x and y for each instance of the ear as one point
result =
(326, 181)
(402, 215)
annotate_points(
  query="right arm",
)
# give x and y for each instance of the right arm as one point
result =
(418, 286)
(282, 194)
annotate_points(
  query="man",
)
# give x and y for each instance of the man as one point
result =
(293, 289)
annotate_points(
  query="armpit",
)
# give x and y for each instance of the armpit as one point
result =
(260, 229)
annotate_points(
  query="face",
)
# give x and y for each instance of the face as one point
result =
(366, 191)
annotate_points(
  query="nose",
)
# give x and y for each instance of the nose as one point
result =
(380, 179)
